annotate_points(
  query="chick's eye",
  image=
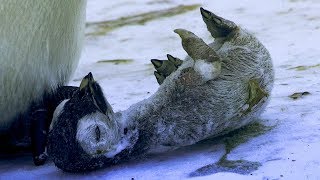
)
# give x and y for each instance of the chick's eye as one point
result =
(98, 133)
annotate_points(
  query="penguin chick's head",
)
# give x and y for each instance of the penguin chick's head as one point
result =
(83, 129)
(217, 26)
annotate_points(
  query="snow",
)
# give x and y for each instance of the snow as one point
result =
(290, 31)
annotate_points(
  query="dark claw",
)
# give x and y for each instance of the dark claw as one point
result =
(157, 63)
(165, 67)
(40, 160)
(176, 61)
(216, 25)
(160, 78)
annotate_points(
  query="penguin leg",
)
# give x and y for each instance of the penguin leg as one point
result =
(39, 129)
(165, 67)
(160, 77)
(217, 26)
(176, 61)
(207, 62)
(41, 117)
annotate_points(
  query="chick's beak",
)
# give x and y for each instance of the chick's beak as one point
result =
(86, 81)
(205, 13)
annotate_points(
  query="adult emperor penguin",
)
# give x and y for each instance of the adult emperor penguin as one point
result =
(40, 46)
(218, 88)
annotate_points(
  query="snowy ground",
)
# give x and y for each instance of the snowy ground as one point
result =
(290, 29)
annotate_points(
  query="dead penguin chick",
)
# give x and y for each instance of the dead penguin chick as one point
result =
(218, 88)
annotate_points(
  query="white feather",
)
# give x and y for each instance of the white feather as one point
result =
(207, 70)
(57, 112)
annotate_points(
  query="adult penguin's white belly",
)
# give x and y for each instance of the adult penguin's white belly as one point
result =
(40, 45)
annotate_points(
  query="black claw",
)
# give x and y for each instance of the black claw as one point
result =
(40, 160)
(171, 58)
(176, 61)
(160, 78)
(165, 67)
(216, 25)
(157, 63)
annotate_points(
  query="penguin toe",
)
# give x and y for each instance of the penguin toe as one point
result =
(40, 160)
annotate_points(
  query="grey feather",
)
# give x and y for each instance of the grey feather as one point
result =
(218, 88)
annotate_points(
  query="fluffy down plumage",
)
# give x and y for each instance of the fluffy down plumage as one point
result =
(218, 88)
